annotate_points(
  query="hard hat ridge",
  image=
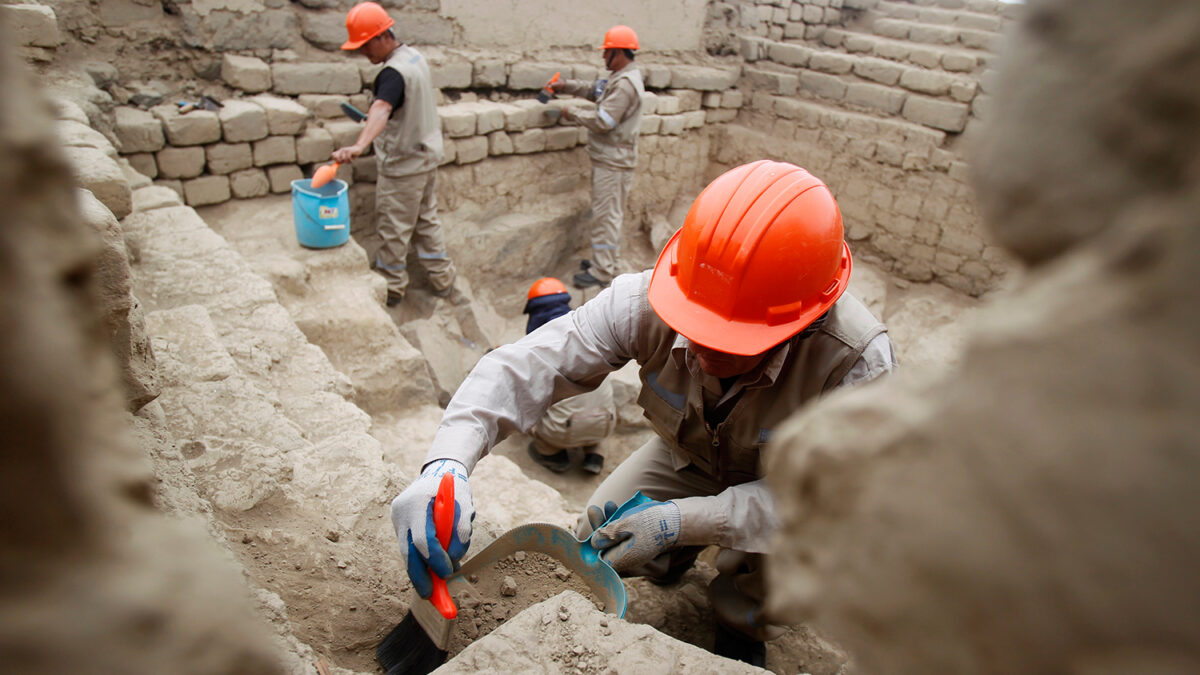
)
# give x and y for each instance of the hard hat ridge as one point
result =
(760, 256)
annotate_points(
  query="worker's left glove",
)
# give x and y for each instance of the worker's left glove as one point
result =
(638, 536)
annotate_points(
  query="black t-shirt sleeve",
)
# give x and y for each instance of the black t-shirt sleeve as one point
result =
(389, 86)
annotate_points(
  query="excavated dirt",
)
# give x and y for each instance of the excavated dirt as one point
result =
(501, 590)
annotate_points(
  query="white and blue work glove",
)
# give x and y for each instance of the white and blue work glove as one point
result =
(638, 536)
(412, 516)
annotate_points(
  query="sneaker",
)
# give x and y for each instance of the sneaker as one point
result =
(585, 264)
(593, 462)
(736, 645)
(558, 462)
(585, 279)
(394, 299)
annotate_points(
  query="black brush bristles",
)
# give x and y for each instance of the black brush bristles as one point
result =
(407, 650)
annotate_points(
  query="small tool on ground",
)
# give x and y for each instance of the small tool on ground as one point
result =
(324, 174)
(547, 91)
(206, 102)
(418, 643)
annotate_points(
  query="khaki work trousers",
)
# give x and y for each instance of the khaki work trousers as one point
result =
(610, 189)
(406, 211)
(737, 592)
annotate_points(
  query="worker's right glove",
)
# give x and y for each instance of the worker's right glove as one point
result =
(638, 536)
(412, 516)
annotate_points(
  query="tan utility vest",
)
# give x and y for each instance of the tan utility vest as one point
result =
(618, 148)
(411, 143)
(673, 400)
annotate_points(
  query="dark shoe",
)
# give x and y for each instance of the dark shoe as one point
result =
(736, 645)
(558, 462)
(585, 279)
(393, 299)
(593, 462)
(585, 264)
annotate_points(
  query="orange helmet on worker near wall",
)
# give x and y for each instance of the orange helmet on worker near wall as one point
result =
(545, 286)
(620, 37)
(760, 256)
(363, 22)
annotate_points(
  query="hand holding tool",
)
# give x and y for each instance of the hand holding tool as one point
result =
(412, 517)
(418, 643)
(636, 537)
(547, 91)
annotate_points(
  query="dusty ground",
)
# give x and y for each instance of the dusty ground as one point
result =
(503, 589)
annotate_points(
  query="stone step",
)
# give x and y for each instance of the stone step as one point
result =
(915, 31)
(244, 392)
(891, 141)
(953, 59)
(1008, 10)
(333, 298)
(961, 18)
(931, 98)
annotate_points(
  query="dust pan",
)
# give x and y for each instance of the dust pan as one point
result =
(324, 174)
(577, 556)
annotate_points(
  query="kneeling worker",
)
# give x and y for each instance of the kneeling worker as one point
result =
(743, 321)
(580, 421)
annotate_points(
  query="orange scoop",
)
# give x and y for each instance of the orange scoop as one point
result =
(324, 174)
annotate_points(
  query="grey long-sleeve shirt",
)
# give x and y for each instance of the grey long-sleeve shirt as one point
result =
(511, 387)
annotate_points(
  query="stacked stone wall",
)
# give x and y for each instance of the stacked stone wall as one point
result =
(879, 99)
(286, 119)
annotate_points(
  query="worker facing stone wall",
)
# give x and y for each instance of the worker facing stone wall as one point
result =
(1034, 509)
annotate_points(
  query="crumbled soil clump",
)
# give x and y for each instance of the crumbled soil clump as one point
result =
(501, 590)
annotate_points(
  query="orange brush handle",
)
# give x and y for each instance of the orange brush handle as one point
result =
(552, 81)
(443, 523)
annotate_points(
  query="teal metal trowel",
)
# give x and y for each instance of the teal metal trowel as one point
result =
(560, 544)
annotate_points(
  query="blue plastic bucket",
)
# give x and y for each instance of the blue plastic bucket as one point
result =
(321, 215)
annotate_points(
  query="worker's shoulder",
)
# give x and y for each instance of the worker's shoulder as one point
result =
(850, 319)
(629, 77)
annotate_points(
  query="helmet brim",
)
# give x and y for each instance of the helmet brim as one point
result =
(708, 329)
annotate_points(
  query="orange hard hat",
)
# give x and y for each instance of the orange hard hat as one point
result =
(363, 22)
(620, 37)
(760, 256)
(545, 286)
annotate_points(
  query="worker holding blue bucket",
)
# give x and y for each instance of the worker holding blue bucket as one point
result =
(405, 131)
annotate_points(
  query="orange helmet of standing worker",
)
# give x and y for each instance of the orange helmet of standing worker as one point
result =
(545, 286)
(363, 22)
(760, 256)
(620, 37)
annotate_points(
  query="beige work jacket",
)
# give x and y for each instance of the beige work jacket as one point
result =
(613, 127)
(411, 142)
